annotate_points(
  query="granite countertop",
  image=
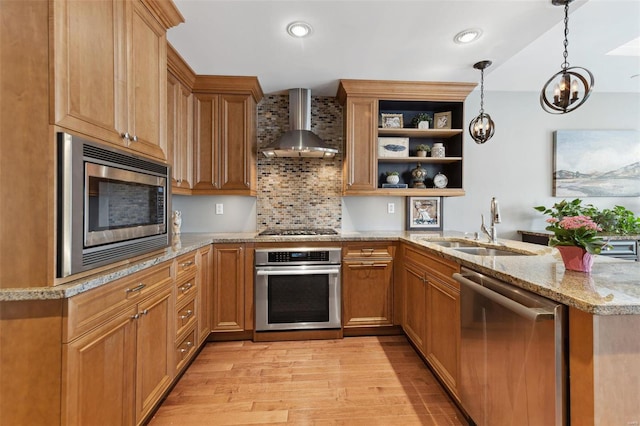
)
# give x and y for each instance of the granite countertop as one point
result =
(612, 288)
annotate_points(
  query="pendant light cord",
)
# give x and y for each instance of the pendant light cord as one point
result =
(565, 64)
(482, 91)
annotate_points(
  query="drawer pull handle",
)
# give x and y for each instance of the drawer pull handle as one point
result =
(367, 251)
(185, 288)
(187, 314)
(136, 288)
(186, 264)
(188, 345)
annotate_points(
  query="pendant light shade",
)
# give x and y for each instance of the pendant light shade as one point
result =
(570, 87)
(482, 127)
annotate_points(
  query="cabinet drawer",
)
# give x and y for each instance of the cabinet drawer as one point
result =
(90, 309)
(185, 265)
(185, 349)
(367, 250)
(185, 316)
(186, 287)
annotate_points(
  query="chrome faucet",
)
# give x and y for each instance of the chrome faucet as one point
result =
(495, 219)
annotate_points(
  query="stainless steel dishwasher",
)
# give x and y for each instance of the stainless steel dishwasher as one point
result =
(513, 367)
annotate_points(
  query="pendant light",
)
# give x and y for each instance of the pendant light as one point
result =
(482, 127)
(571, 86)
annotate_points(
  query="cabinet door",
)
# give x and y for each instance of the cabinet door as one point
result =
(237, 143)
(179, 134)
(154, 364)
(443, 330)
(99, 371)
(360, 165)
(367, 293)
(146, 83)
(206, 142)
(205, 291)
(415, 294)
(90, 68)
(228, 288)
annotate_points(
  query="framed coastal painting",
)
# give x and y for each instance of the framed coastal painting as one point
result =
(424, 214)
(596, 163)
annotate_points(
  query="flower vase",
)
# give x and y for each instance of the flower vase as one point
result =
(576, 258)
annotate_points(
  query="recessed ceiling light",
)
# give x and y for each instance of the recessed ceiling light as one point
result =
(467, 36)
(299, 29)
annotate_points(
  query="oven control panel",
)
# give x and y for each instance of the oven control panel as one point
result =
(298, 256)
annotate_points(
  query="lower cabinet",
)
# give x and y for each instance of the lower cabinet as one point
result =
(431, 311)
(367, 285)
(228, 288)
(116, 370)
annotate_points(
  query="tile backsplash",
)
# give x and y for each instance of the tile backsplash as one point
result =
(299, 192)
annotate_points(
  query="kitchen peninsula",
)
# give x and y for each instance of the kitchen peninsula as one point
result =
(604, 307)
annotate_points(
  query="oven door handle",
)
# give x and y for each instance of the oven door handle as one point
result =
(289, 271)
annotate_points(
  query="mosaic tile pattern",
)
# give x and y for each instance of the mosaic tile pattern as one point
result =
(297, 192)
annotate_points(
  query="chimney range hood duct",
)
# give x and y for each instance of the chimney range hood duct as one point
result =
(299, 141)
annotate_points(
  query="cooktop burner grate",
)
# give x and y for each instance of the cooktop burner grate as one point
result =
(299, 231)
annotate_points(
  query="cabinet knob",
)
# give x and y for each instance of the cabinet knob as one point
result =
(126, 136)
(145, 312)
(136, 316)
(133, 139)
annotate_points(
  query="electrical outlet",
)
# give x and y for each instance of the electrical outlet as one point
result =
(219, 208)
(391, 208)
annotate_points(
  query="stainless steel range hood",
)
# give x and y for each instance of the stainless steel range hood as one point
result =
(299, 141)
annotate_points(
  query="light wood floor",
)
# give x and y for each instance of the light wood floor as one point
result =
(350, 381)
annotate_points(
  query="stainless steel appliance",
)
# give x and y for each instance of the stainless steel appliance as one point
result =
(111, 205)
(297, 288)
(513, 366)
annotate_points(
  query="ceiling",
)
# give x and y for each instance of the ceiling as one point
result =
(408, 40)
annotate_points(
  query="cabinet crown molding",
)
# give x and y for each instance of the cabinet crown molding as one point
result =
(224, 84)
(165, 11)
(404, 90)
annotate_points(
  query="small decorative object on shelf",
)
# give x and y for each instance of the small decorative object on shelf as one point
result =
(422, 150)
(393, 178)
(421, 121)
(419, 175)
(392, 121)
(438, 150)
(442, 120)
(440, 181)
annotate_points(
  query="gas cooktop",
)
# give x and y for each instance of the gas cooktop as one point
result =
(298, 231)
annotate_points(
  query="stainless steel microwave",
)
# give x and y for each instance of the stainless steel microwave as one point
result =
(111, 205)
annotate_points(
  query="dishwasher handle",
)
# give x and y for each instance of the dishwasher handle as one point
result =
(533, 314)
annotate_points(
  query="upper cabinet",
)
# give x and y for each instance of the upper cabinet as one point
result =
(180, 103)
(380, 136)
(110, 68)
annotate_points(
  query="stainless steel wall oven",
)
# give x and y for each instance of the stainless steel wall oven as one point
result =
(111, 205)
(297, 289)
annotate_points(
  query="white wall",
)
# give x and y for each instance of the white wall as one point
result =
(515, 166)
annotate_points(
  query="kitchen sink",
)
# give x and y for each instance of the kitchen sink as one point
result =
(454, 244)
(489, 251)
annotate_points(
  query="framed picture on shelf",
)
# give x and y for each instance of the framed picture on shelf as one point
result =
(392, 121)
(393, 147)
(442, 120)
(424, 214)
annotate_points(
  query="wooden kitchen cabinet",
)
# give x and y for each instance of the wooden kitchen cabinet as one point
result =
(117, 351)
(225, 143)
(432, 311)
(180, 102)
(110, 70)
(365, 167)
(360, 169)
(228, 288)
(205, 292)
(367, 285)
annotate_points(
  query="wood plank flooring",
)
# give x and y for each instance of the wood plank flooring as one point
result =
(350, 381)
